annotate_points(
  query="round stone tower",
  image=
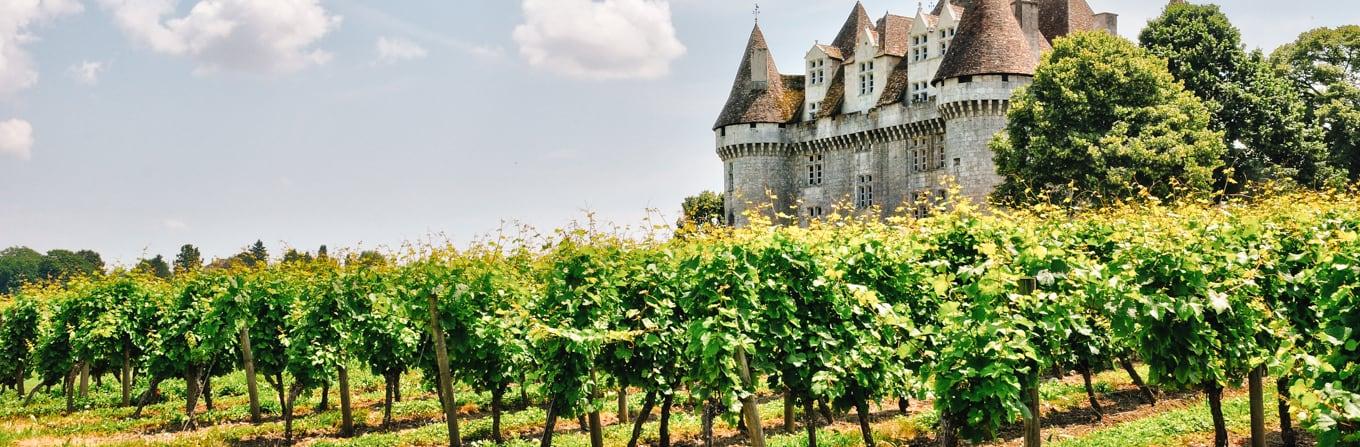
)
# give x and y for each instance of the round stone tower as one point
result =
(995, 51)
(750, 135)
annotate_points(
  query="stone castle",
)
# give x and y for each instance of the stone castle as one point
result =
(891, 113)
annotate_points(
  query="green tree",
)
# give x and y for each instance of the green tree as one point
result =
(1263, 121)
(153, 266)
(188, 259)
(1104, 120)
(17, 266)
(292, 255)
(259, 254)
(64, 264)
(700, 210)
(1324, 66)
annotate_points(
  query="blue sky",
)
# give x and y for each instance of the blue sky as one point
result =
(134, 126)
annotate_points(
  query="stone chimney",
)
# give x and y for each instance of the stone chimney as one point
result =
(1027, 15)
(1107, 21)
(760, 68)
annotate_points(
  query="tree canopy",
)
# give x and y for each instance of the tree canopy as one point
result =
(1263, 121)
(19, 265)
(1323, 65)
(188, 259)
(696, 211)
(1104, 120)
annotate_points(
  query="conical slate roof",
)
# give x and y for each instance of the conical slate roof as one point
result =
(775, 102)
(858, 21)
(989, 41)
(1059, 18)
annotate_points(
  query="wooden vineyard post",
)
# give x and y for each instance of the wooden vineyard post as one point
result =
(441, 355)
(1030, 388)
(596, 427)
(1256, 391)
(623, 403)
(749, 409)
(346, 416)
(252, 388)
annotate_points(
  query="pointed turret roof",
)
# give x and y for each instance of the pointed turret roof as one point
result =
(989, 41)
(775, 101)
(1059, 18)
(858, 21)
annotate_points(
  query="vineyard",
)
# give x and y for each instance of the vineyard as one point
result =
(964, 327)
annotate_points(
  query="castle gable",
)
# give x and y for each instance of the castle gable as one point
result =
(848, 36)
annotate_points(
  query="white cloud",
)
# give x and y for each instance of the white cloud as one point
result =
(393, 50)
(252, 36)
(87, 72)
(17, 17)
(16, 139)
(609, 39)
(378, 17)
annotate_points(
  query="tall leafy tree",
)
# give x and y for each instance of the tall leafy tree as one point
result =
(292, 255)
(63, 264)
(17, 266)
(1324, 66)
(1104, 120)
(1263, 121)
(189, 259)
(154, 266)
(258, 253)
(704, 209)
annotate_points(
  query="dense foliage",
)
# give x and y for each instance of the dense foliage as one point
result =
(966, 308)
(1104, 120)
(1263, 120)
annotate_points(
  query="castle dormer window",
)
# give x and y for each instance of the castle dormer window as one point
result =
(866, 78)
(864, 192)
(920, 50)
(817, 71)
(815, 169)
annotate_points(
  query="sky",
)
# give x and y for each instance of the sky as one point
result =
(132, 127)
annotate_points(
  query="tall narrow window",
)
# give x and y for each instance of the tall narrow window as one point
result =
(920, 209)
(731, 185)
(814, 167)
(866, 78)
(814, 108)
(864, 192)
(817, 71)
(939, 153)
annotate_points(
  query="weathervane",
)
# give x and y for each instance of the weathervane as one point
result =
(756, 12)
